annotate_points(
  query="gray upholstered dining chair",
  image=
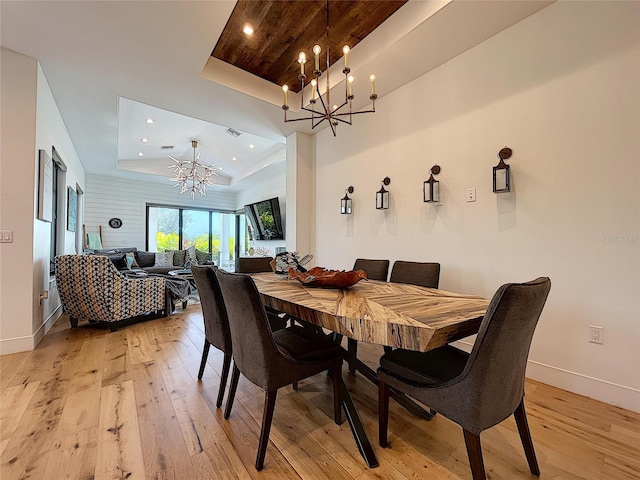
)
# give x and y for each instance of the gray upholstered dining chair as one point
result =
(376, 269)
(277, 319)
(424, 274)
(216, 324)
(480, 389)
(254, 264)
(271, 359)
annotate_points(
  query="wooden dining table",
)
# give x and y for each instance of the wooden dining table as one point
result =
(395, 315)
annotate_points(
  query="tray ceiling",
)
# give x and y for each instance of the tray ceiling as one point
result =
(282, 29)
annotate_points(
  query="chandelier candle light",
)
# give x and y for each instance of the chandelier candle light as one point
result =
(192, 176)
(331, 113)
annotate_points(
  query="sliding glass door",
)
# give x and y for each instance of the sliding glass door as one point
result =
(175, 228)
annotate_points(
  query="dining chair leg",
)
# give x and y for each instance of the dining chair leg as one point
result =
(267, 417)
(203, 362)
(235, 376)
(226, 364)
(336, 374)
(525, 437)
(474, 451)
(352, 349)
(383, 413)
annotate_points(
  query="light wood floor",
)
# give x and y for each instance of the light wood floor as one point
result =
(90, 404)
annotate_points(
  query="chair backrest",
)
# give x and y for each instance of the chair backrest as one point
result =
(254, 264)
(424, 274)
(86, 284)
(495, 371)
(376, 269)
(254, 349)
(216, 323)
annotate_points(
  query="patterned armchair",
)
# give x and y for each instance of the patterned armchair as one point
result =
(91, 288)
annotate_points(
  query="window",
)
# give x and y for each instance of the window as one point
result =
(175, 228)
(59, 193)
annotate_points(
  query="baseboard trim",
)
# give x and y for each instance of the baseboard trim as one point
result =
(46, 326)
(16, 344)
(29, 342)
(602, 390)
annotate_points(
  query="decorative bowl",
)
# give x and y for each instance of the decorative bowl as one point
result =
(321, 277)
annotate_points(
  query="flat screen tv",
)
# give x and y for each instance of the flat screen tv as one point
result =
(264, 220)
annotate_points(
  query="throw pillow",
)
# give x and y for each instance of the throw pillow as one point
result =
(164, 259)
(119, 260)
(145, 259)
(203, 257)
(131, 260)
(191, 255)
(179, 257)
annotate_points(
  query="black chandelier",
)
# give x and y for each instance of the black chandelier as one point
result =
(331, 113)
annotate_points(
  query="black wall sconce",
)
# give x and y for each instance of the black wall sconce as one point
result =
(346, 204)
(382, 195)
(501, 173)
(431, 187)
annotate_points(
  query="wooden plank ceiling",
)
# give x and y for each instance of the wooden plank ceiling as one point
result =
(282, 29)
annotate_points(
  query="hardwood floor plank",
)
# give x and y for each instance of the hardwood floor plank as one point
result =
(119, 451)
(193, 414)
(243, 431)
(79, 383)
(74, 457)
(220, 461)
(164, 450)
(116, 362)
(81, 409)
(312, 410)
(27, 450)
(13, 403)
(139, 347)
(9, 365)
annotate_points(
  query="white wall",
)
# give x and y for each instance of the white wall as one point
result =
(51, 131)
(561, 89)
(109, 197)
(301, 193)
(30, 122)
(17, 175)
(264, 190)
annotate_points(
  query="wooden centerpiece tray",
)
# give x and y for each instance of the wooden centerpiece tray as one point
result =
(321, 277)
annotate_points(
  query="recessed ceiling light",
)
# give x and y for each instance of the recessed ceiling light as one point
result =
(140, 154)
(144, 140)
(220, 167)
(149, 120)
(233, 158)
(251, 145)
(247, 29)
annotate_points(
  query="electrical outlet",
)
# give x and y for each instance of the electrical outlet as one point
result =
(471, 195)
(595, 334)
(6, 236)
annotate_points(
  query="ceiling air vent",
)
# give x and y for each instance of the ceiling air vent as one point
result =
(166, 147)
(233, 133)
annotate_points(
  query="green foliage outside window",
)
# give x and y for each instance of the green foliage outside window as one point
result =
(167, 241)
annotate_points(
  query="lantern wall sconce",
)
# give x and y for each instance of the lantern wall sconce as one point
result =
(501, 173)
(431, 187)
(382, 195)
(346, 204)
